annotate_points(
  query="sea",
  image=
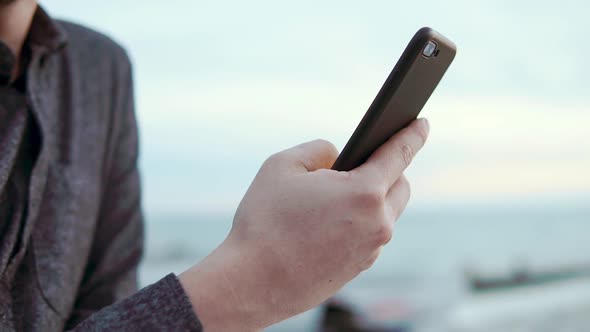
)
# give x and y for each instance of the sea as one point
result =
(420, 278)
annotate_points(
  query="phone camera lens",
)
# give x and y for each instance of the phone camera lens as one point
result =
(429, 49)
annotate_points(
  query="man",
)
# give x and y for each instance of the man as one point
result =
(70, 220)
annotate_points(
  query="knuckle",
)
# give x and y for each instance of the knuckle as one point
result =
(370, 199)
(396, 211)
(327, 146)
(273, 159)
(367, 263)
(405, 185)
(383, 234)
(402, 193)
(406, 153)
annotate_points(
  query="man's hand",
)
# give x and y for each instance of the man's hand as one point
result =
(301, 232)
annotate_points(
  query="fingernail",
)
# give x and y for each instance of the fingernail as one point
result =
(424, 123)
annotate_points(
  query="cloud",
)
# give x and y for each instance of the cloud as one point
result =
(480, 147)
(221, 85)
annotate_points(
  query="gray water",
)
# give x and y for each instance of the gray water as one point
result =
(423, 264)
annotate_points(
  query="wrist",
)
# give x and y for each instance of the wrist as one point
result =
(218, 297)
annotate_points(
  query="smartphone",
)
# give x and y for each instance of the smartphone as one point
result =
(401, 98)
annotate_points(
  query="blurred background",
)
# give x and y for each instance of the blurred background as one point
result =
(497, 234)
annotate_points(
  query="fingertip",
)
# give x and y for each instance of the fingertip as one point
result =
(421, 128)
(317, 154)
(424, 125)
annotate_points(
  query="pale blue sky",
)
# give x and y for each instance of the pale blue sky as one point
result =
(510, 119)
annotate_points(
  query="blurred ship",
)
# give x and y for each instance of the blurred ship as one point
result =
(524, 299)
(520, 277)
(550, 298)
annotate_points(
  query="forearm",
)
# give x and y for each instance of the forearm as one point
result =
(218, 298)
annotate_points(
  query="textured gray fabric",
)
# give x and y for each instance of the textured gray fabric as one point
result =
(6, 65)
(81, 240)
(13, 195)
(13, 200)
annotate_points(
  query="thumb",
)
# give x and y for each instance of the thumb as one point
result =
(313, 155)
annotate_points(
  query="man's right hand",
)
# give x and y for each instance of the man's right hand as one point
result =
(301, 232)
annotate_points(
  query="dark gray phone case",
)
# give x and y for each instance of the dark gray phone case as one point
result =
(401, 98)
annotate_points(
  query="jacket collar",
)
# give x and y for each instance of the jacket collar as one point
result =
(46, 34)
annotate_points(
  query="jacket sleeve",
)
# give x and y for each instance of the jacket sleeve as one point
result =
(163, 306)
(106, 299)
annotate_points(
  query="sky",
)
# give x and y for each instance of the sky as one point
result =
(221, 85)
